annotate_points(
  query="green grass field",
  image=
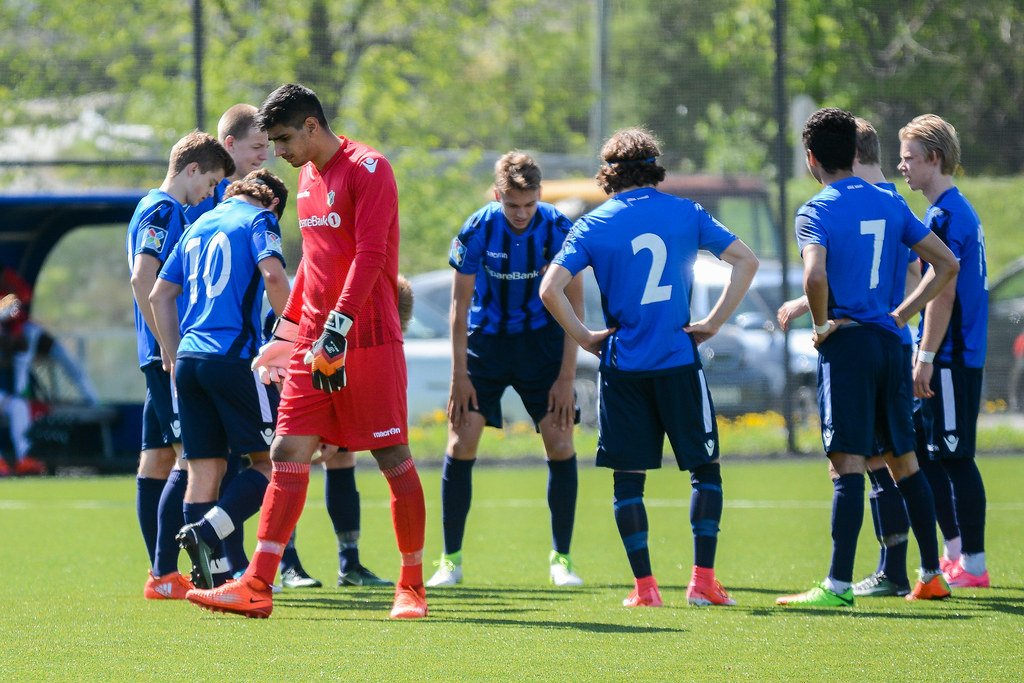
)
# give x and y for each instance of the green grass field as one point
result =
(73, 566)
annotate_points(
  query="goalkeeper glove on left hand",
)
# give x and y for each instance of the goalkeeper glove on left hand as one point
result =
(327, 356)
(272, 360)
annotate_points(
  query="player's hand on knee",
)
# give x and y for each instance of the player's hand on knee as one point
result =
(327, 356)
(461, 400)
(271, 363)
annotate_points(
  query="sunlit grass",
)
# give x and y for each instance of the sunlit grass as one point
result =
(752, 434)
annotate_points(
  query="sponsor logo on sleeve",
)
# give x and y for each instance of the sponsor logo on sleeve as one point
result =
(273, 242)
(370, 165)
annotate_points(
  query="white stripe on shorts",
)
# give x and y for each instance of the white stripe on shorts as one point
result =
(948, 399)
(826, 389)
(261, 392)
(705, 402)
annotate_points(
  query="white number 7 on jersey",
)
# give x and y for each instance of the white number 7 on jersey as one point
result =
(875, 228)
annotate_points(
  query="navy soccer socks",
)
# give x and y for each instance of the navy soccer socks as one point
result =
(563, 484)
(456, 495)
(631, 519)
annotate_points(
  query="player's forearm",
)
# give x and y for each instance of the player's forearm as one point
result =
(362, 276)
(142, 286)
(574, 295)
(739, 282)
(935, 294)
(275, 281)
(937, 314)
(165, 318)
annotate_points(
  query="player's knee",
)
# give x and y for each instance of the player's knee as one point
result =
(707, 477)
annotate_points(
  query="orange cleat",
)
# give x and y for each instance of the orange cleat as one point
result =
(248, 596)
(171, 586)
(935, 588)
(29, 466)
(410, 602)
(645, 594)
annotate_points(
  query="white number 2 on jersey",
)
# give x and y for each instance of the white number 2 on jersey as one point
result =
(659, 255)
(876, 229)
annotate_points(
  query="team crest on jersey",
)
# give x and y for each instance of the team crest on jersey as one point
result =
(273, 242)
(154, 238)
(457, 254)
(370, 165)
(330, 198)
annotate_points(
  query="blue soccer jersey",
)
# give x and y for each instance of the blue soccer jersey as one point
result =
(508, 267)
(216, 263)
(642, 245)
(898, 296)
(155, 228)
(954, 221)
(192, 213)
(866, 231)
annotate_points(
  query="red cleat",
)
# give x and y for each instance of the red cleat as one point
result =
(171, 586)
(247, 596)
(410, 602)
(644, 595)
(29, 466)
(5, 469)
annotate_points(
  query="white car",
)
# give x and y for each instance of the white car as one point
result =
(743, 362)
(428, 356)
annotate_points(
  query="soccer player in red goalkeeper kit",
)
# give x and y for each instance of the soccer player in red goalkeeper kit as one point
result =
(337, 347)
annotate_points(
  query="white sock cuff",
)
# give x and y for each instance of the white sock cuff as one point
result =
(220, 521)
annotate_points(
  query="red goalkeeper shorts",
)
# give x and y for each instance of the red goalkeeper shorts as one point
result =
(369, 413)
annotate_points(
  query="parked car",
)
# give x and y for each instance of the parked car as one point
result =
(428, 355)
(1004, 363)
(743, 362)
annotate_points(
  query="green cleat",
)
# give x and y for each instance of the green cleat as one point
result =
(296, 577)
(563, 573)
(449, 571)
(819, 596)
(361, 576)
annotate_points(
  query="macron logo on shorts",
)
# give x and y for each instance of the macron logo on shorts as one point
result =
(951, 442)
(387, 432)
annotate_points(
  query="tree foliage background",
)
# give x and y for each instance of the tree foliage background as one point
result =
(444, 88)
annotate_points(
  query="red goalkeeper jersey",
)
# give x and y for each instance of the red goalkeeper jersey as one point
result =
(348, 215)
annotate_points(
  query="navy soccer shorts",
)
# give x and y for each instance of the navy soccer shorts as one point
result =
(529, 362)
(160, 425)
(865, 392)
(638, 409)
(224, 407)
(953, 411)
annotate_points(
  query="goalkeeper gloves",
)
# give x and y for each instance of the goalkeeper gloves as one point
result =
(327, 357)
(272, 360)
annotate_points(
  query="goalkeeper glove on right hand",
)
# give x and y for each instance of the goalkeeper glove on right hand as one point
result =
(272, 360)
(327, 357)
